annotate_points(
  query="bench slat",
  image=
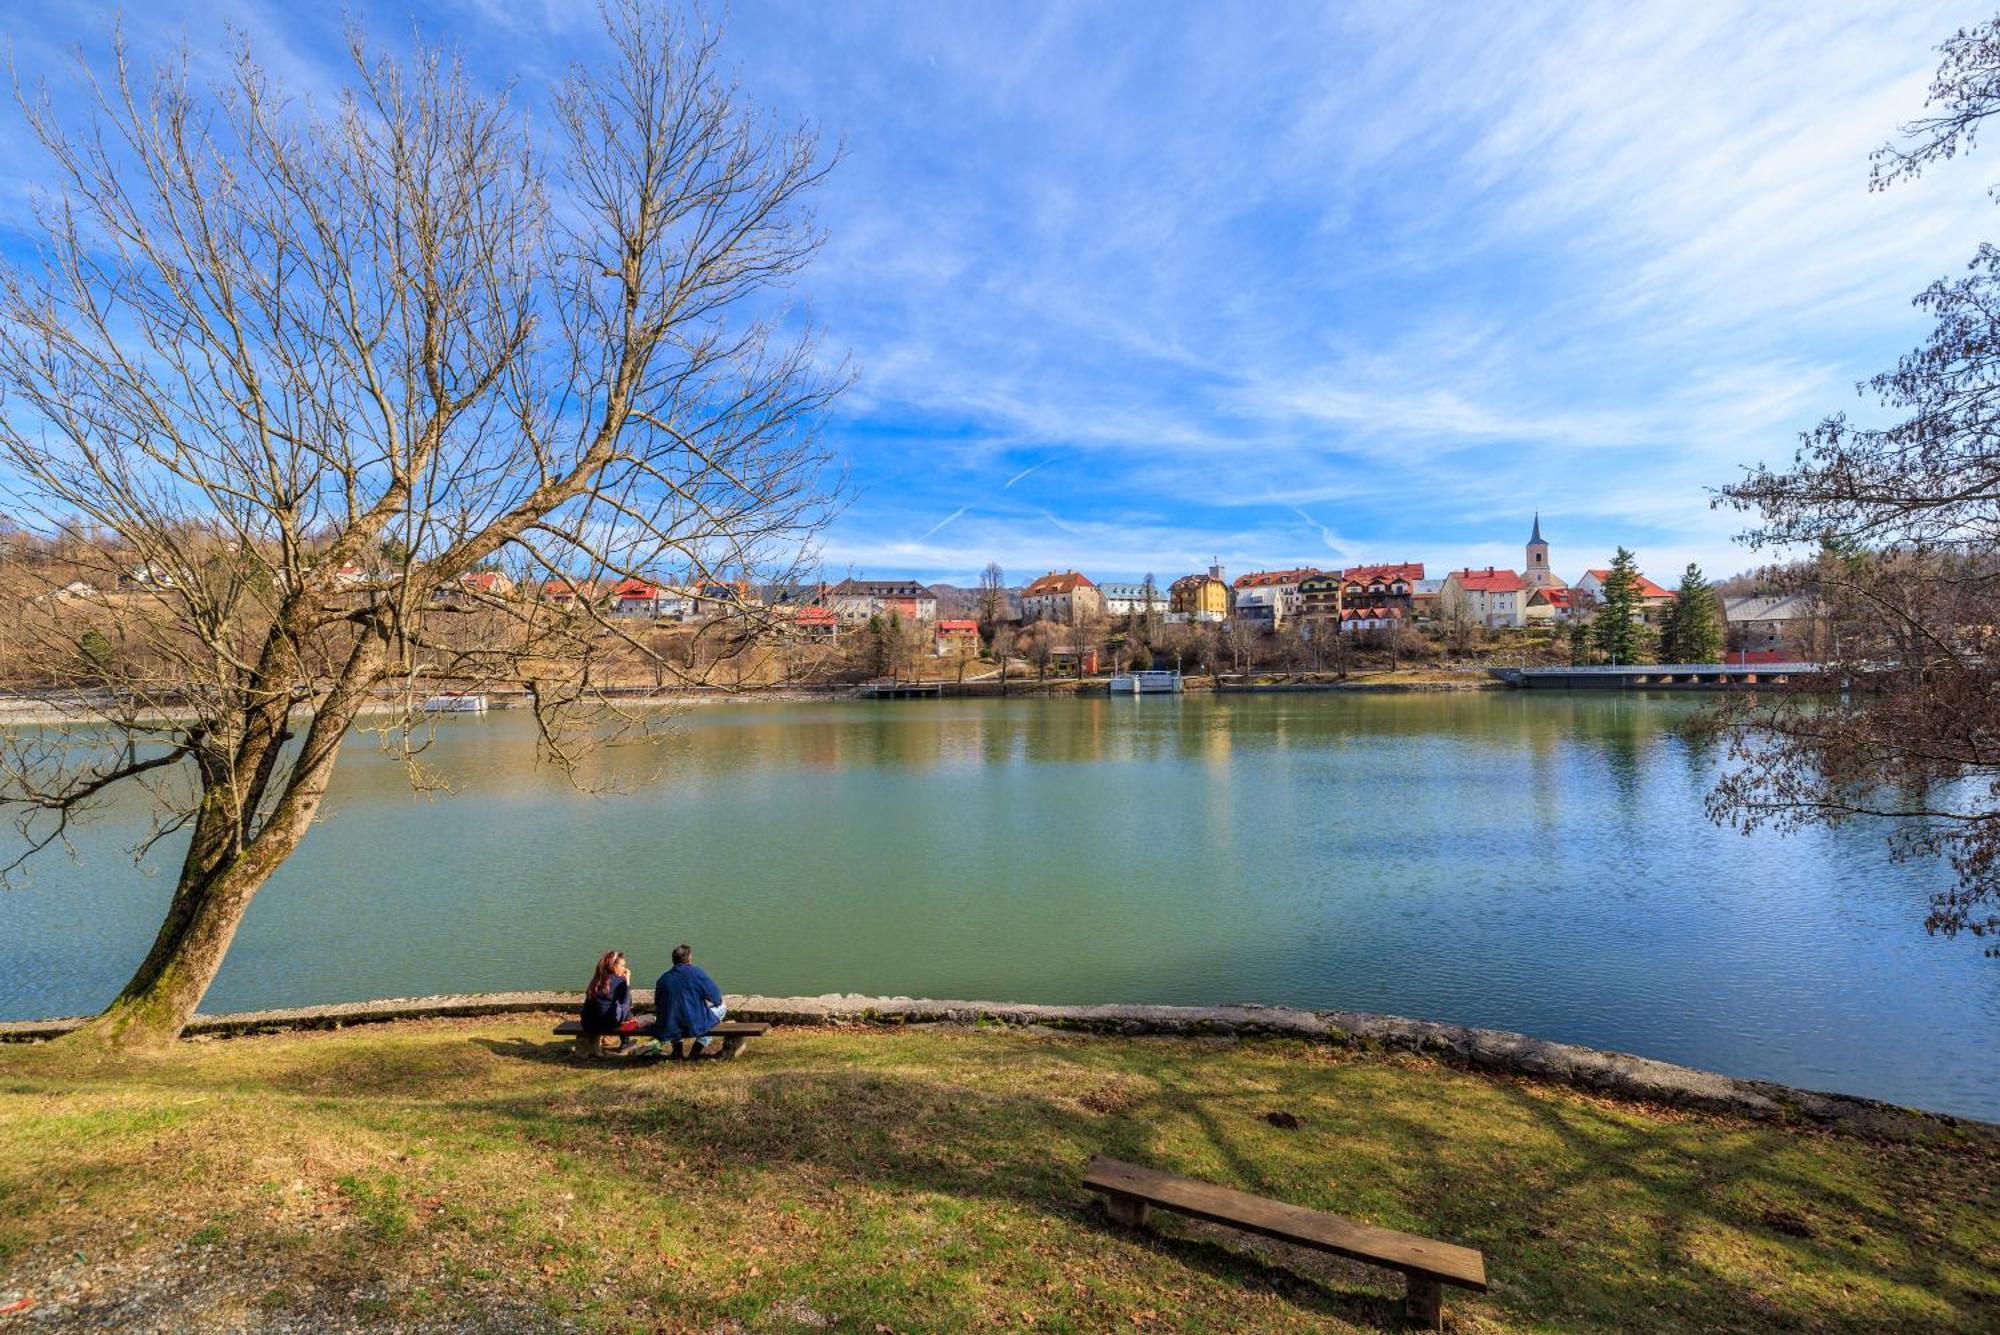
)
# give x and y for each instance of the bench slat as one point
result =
(727, 1029)
(1387, 1247)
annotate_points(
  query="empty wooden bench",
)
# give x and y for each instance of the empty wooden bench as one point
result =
(1429, 1265)
(733, 1033)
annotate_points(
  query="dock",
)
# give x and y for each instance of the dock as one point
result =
(1656, 676)
(902, 691)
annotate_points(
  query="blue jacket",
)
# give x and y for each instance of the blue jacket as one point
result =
(682, 998)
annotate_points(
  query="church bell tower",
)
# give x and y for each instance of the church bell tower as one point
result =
(1538, 575)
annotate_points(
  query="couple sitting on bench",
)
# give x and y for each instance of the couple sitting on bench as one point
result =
(686, 1003)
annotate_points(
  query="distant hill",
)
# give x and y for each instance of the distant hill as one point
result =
(956, 601)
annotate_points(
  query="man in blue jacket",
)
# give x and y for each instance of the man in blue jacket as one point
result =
(687, 1002)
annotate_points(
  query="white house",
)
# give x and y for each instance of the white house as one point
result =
(1491, 597)
(1130, 600)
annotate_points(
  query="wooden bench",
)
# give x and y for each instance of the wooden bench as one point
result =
(733, 1033)
(1429, 1265)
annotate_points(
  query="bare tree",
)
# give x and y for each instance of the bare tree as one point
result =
(1004, 646)
(314, 370)
(1457, 621)
(1243, 638)
(1086, 635)
(992, 594)
(963, 651)
(1040, 645)
(1905, 590)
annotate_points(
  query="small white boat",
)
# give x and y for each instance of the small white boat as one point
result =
(455, 704)
(1157, 682)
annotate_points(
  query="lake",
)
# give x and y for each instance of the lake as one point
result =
(1529, 861)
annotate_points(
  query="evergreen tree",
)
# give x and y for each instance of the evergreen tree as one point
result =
(1616, 628)
(878, 646)
(1694, 628)
(1579, 644)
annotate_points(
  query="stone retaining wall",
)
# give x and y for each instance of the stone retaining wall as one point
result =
(1614, 1073)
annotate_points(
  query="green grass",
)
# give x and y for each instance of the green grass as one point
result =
(926, 1179)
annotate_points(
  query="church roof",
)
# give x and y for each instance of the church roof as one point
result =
(1536, 536)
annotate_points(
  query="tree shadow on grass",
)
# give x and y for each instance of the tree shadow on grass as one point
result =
(1738, 1177)
(918, 1137)
(1588, 1213)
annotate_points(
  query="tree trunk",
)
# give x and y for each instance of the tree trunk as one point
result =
(216, 886)
(157, 1003)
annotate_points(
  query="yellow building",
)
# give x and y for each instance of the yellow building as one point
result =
(1199, 597)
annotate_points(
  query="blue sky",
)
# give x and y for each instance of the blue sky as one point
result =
(1134, 285)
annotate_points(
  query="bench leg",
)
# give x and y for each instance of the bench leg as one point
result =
(1425, 1304)
(1127, 1210)
(731, 1045)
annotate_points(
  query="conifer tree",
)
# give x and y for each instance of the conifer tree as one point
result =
(1694, 628)
(1616, 628)
(1579, 644)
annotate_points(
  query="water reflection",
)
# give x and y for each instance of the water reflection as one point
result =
(1534, 862)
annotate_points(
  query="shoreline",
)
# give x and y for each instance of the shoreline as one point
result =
(1619, 1074)
(26, 709)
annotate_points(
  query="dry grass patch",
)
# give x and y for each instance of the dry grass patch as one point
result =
(470, 1174)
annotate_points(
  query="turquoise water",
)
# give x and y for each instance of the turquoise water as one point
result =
(1537, 862)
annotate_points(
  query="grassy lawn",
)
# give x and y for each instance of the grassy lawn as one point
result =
(470, 1174)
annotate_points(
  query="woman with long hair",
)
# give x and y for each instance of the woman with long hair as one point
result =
(607, 1002)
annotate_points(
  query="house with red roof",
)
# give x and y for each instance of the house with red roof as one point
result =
(811, 622)
(470, 590)
(1653, 600)
(956, 635)
(1268, 597)
(566, 592)
(648, 600)
(1061, 595)
(1550, 605)
(1371, 597)
(1491, 597)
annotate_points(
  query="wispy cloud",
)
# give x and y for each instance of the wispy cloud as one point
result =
(1023, 473)
(941, 523)
(1309, 283)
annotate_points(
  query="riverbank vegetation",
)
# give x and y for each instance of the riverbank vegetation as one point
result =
(453, 1173)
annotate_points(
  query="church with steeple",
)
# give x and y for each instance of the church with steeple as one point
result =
(1538, 575)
